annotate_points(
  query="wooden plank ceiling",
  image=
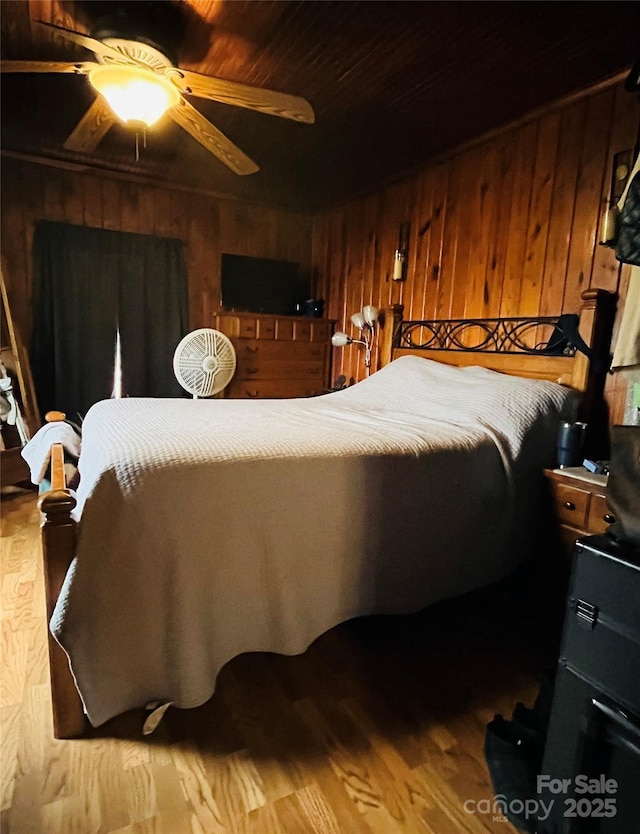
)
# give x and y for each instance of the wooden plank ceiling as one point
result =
(391, 83)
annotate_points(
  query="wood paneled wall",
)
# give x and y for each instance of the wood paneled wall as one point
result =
(208, 227)
(504, 227)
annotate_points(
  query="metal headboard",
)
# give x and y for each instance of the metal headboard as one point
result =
(547, 335)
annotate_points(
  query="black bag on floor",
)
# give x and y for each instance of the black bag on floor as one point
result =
(513, 751)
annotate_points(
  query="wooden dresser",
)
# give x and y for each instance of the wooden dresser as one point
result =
(277, 356)
(580, 505)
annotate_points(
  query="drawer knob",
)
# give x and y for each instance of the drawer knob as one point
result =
(252, 370)
(249, 394)
(251, 349)
(609, 518)
(569, 505)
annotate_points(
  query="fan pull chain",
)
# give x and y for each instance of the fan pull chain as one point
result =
(144, 141)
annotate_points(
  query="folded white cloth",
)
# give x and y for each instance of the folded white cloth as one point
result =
(12, 417)
(37, 452)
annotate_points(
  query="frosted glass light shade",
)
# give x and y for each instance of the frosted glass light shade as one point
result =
(134, 94)
(358, 320)
(340, 339)
(370, 314)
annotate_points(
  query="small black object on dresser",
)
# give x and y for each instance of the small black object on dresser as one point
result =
(591, 764)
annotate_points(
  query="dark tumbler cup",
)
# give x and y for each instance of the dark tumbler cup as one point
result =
(570, 444)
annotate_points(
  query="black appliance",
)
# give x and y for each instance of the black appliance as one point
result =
(591, 763)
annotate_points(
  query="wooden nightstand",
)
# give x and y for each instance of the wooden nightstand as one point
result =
(580, 504)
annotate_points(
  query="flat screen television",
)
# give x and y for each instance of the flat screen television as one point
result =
(262, 285)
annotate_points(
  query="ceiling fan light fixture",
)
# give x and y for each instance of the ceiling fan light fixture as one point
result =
(133, 93)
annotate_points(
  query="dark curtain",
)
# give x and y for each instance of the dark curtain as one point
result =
(87, 283)
(153, 314)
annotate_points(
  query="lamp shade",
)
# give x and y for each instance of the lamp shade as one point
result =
(370, 314)
(340, 339)
(133, 93)
(358, 320)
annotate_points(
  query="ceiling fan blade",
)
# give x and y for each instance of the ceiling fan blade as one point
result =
(243, 95)
(81, 68)
(91, 127)
(213, 140)
(92, 44)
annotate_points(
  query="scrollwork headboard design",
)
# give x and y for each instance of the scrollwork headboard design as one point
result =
(543, 335)
(571, 349)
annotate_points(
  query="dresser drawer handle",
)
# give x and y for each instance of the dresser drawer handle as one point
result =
(252, 370)
(251, 349)
(569, 505)
(249, 394)
(609, 518)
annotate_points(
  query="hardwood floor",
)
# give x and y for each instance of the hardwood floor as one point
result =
(378, 728)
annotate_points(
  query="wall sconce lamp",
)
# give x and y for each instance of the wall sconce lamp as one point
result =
(608, 235)
(365, 321)
(400, 256)
(399, 260)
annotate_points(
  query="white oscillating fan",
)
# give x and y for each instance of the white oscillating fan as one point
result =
(204, 362)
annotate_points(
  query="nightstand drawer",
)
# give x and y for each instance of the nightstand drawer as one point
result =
(568, 536)
(571, 504)
(600, 516)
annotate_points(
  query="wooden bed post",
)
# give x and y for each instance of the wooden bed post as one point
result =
(390, 333)
(58, 550)
(597, 315)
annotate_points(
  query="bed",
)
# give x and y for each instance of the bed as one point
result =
(204, 529)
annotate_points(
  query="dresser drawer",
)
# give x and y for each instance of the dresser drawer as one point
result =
(274, 388)
(302, 330)
(276, 350)
(266, 328)
(599, 517)
(284, 329)
(256, 367)
(571, 504)
(234, 325)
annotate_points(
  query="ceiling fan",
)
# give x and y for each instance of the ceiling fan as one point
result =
(137, 83)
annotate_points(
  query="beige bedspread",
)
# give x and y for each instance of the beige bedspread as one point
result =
(211, 528)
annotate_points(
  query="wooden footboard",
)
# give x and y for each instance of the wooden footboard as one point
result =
(58, 550)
